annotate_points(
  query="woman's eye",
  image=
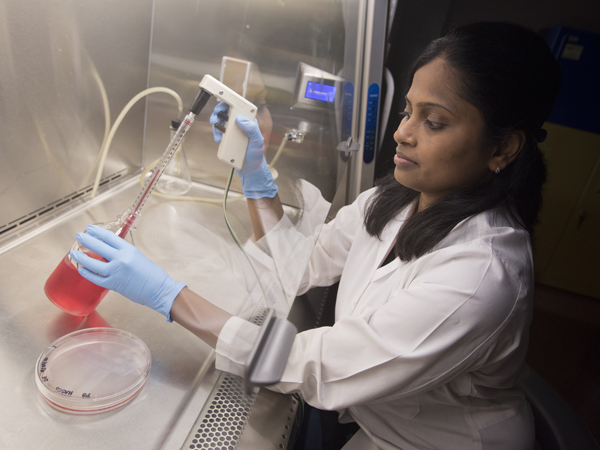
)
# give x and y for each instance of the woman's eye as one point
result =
(430, 124)
(434, 125)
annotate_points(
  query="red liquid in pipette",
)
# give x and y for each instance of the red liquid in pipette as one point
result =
(70, 291)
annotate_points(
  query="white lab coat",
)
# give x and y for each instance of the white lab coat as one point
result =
(423, 354)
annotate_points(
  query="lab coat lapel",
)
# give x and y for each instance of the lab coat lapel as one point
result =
(383, 245)
(387, 239)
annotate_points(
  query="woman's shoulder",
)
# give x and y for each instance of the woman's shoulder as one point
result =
(496, 231)
(487, 251)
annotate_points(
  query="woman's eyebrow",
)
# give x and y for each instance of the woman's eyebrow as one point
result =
(425, 104)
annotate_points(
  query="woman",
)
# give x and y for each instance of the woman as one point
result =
(434, 264)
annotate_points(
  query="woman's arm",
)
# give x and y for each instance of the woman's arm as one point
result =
(127, 271)
(198, 315)
(265, 213)
(258, 184)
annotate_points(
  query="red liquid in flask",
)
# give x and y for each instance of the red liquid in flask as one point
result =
(70, 291)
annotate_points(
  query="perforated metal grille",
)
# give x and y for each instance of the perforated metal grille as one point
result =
(225, 418)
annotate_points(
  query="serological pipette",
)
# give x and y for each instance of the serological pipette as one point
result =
(232, 148)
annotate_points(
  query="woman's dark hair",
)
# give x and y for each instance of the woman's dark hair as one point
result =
(510, 75)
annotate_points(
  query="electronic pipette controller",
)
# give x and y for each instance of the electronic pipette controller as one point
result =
(232, 149)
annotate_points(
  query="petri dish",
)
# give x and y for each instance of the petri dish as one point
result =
(93, 370)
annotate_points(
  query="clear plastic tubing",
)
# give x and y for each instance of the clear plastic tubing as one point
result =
(186, 123)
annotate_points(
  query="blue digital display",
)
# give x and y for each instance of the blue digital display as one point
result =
(320, 91)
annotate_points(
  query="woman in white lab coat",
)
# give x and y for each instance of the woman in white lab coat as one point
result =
(434, 264)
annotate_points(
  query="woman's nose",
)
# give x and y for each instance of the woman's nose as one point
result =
(405, 134)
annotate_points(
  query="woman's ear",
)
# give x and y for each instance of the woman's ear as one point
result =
(507, 151)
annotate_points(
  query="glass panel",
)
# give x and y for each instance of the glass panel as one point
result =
(289, 61)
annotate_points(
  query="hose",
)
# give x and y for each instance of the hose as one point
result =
(106, 107)
(113, 130)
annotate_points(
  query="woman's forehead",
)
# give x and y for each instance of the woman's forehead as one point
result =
(437, 82)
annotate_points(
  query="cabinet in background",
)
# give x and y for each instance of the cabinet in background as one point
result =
(567, 240)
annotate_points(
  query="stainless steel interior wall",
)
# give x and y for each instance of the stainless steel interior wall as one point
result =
(56, 58)
(191, 38)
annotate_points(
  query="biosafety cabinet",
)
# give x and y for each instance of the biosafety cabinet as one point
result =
(90, 95)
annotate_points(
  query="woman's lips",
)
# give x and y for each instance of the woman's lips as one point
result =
(401, 159)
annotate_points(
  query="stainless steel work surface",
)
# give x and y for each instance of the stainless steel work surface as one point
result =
(191, 242)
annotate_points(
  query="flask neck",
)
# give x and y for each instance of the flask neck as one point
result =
(126, 222)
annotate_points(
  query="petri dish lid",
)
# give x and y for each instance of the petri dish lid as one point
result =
(93, 370)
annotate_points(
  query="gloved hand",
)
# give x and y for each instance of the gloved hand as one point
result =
(127, 271)
(257, 181)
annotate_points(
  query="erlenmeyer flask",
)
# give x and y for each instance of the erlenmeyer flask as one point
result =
(176, 179)
(70, 291)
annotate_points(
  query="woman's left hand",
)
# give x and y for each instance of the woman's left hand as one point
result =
(257, 180)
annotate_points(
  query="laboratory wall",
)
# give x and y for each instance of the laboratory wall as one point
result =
(67, 68)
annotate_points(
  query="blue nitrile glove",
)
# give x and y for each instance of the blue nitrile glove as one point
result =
(127, 271)
(257, 181)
